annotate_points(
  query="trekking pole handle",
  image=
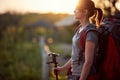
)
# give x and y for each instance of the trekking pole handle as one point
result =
(54, 55)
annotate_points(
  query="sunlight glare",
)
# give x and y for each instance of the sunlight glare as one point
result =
(55, 6)
(118, 5)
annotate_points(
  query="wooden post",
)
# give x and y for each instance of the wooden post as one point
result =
(45, 67)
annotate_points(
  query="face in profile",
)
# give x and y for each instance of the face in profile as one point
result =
(79, 14)
(79, 11)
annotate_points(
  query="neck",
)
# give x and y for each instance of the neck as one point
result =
(84, 22)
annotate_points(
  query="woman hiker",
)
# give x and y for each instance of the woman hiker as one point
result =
(82, 58)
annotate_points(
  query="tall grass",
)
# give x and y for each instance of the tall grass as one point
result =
(20, 61)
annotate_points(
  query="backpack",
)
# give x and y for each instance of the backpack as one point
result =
(107, 58)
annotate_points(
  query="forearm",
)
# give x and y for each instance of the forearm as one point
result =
(85, 70)
(67, 65)
(89, 56)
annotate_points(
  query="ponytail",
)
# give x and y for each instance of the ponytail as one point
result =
(98, 17)
(94, 14)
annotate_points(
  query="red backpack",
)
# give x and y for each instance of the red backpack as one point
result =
(107, 58)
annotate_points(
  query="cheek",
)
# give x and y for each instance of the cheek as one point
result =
(79, 15)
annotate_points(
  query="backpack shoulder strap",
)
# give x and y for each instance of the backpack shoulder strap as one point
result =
(84, 34)
(83, 38)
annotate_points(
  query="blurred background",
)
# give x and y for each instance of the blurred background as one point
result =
(30, 29)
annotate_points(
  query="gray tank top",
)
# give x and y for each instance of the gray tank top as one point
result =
(77, 50)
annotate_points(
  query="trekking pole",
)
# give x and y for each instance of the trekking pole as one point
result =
(54, 55)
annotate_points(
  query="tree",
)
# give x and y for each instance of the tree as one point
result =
(109, 6)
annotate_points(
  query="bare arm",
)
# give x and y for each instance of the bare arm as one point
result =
(89, 56)
(65, 66)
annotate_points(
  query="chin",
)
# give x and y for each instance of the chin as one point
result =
(77, 18)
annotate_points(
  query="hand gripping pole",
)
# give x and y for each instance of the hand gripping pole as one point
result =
(54, 61)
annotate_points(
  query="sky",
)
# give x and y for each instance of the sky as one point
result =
(39, 6)
(55, 6)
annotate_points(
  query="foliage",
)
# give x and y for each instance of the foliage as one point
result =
(109, 6)
(34, 17)
(19, 59)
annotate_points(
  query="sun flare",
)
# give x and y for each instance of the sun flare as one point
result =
(56, 6)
